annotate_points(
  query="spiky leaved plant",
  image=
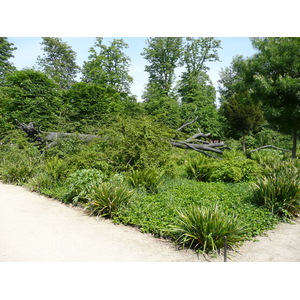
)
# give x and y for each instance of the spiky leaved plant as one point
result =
(204, 228)
(279, 191)
(107, 199)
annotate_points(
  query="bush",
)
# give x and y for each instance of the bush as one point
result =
(279, 191)
(56, 168)
(81, 184)
(107, 199)
(16, 172)
(234, 167)
(150, 179)
(199, 168)
(204, 228)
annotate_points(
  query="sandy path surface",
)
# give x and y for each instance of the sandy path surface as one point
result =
(34, 228)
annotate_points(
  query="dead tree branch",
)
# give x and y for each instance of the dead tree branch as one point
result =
(188, 123)
(269, 146)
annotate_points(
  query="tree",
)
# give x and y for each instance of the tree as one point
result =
(6, 50)
(30, 96)
(58, 62)
(195, 89)
(243, 115)
(163, 55)
(235, 79)
(276, 75)
(198, 51)
(108, 66)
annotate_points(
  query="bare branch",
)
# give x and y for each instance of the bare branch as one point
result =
(187, 124)
(270, 146)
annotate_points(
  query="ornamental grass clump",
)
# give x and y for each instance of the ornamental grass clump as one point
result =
(148, 179)
(204, 228)
(279, 191)
(107, 199)
(199, 168)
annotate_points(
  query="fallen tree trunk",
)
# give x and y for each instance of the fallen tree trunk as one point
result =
(190, 143)
(185, 145)
(35, 134)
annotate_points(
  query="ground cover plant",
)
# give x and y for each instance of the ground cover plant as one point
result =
(155, 213)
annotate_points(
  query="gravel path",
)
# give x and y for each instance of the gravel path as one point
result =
(34, 228)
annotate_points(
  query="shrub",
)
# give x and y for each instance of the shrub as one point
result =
(204, 228)
(81, 184)
(16, 172)
(107, 199)
(235, 167)
(56, 168)
(150, 179)
(226, 171)
(199, 168)
(39, 181)
(279, 191)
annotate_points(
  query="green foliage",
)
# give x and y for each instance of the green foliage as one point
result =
(272, 137)
(108, 66)
(234, 167)
(90, 104)
(279, 190)
(162, 54)
(81, 184)
(154, 213)
(65, 146)
(58, 61)
(107, 199)
(199, 168)
(242, 114)
(134, 143)
(149, 179)
(18, 158)
(30, 96)
(6, 50)
(205, 227)
(56, 168)
(163, 108)
(16, 172)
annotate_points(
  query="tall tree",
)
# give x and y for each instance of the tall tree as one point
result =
(58, 61)
(198, 51)
(276, 74)
(243, 115)
(108, 65)
(195, 87)
(162, 54)
(6, 50)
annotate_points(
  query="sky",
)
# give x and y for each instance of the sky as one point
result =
(29, 48)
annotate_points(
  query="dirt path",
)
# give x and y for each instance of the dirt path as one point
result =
(34, 228)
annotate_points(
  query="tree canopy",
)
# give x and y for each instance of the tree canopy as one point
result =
(108, 65)
(58, 61)
(6, 50)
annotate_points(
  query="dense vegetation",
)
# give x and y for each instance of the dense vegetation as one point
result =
(130, 172)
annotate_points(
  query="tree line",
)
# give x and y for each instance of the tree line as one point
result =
(257, 93)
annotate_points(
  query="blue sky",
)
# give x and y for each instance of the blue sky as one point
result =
(29, 48)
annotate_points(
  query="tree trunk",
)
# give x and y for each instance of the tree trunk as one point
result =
(294, 141)
(244, 142)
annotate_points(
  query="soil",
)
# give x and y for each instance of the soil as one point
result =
(34, 228)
